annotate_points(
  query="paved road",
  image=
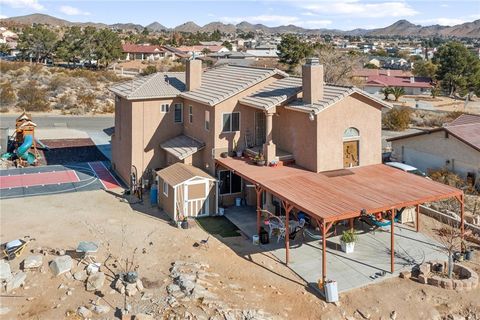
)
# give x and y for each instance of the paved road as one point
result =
(90, 123)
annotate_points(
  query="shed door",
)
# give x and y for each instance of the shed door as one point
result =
(350, 154)
(196, 198)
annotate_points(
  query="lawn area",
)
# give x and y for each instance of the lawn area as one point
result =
(219, 225)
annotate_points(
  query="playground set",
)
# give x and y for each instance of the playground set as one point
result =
(22, 146)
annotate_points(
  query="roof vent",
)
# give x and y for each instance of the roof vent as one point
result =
(167, 80)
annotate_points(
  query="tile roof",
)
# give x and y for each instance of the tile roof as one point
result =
(364, 72)
(140, 48)
(331, 95)
(274, 94)
(179, 172)
(157, 85)
(221, 83)
(390, 81)
(465, 128)
(199, 48)
(182, 146)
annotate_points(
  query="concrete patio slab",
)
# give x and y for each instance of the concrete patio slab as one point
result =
(370, 263)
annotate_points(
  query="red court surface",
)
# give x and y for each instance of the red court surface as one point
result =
(104, 175)
(38, 179)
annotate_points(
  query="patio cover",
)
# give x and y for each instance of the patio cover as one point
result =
(182, 146)
(342, 194)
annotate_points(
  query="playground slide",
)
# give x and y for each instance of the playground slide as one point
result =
(22, 151)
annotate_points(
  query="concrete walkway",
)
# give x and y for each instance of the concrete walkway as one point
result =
(370, 263)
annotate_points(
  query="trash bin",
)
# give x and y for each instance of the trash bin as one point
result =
(256, 240)
(238, 202)
(331, 291)
(263, 235)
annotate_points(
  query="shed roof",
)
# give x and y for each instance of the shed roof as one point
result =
(274, 94)
(157, 85)
(221, 83)
(182, 146)
(342, 194)
(179, 172)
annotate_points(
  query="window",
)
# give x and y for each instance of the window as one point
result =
(190, 114)
(165, 188)
(207, 120)
(351, 134)
(230, 182)
(231, 122)
(164, 108)
(178, 113)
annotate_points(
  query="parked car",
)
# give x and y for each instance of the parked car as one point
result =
(406, 168)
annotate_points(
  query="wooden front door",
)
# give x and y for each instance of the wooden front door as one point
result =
(260, 129)
(350, 154)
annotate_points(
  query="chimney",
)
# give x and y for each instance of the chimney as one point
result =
(312, 81)
(388, 72)
(412, 79)
(193, 74)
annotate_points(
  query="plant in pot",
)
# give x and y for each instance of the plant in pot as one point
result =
(259, 159)
(347, 241)
(236, 149)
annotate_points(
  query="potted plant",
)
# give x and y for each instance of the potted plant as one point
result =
(236, 149)
(184, 223)
(347, 241)
(259, 159)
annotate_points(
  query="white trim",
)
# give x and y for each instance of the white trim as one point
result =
(175, 210)
(192, 178)
(165, 190)
(231, 122)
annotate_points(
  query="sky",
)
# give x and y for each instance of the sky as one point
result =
(331, 14)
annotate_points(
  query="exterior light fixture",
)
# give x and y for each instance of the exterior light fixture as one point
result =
(311, 116)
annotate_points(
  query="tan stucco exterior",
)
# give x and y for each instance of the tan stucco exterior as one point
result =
(438, 150)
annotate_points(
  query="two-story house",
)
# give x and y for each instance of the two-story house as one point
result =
(194, 117)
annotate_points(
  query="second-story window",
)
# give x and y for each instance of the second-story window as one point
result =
(178, 113)
(231, 122)
(164, 108)
(190, 114)
(207, 120)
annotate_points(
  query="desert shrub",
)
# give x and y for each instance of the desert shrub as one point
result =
(447, 177)
(31, 97)
(87, 74)
(178, 68)
(108, 75)
(36, 69)
(149, 70)
(6, 66)
(65, 101)
(109, 107)
(3, 110)
(86, 101)
(397, 118)
(57, 81)
(7, 95)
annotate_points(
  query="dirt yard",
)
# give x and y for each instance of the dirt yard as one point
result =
(240, 281)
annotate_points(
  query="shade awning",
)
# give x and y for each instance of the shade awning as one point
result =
(182, 146)
(342, 194)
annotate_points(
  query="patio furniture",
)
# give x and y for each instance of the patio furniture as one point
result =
(275, 223)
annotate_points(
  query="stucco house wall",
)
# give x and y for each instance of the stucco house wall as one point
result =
(352, 111)
(122, 139)
(432, 151)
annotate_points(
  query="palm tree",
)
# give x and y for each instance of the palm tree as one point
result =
(398, 92)
(386, 92)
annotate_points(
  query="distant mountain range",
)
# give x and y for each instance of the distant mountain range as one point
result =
(399, 28)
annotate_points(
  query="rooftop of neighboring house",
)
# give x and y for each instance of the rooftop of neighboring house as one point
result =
(390, 81)
(271, 53)
(465, 128)
(200, 48)
(141, 48)
(364, 72)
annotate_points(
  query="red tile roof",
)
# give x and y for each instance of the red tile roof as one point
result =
(386, 81)
(140, 48)
(379, 72)
(199, 48)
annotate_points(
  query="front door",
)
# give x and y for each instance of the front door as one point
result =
(350, 154)
(260, 130)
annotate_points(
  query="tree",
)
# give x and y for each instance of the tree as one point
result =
(37, 42)
(451, 240)
(338, 66)
(398, 92)
(149, 70)
(216, 35)
(107, 46)
(370, 66)
(292, 51)
(206, 51)
(4, 48)
(435, 91)
(71, 46)
(227, 45)
(386, 92)
(458, 68)
(397, 118)
(423, 68)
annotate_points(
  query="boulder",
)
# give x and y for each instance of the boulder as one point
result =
(186, 283)
(95, 281)
(4, 311)
(84, 312)
(101, 309)
(16, 281)
(61, 264)
(143, 316)
(80, 275)
(140, 285)
(119, 286)
(5, 271)
(131, 289)
(33, 261)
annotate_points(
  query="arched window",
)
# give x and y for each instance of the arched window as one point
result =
(351, 134)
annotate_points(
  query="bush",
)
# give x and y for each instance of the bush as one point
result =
(33, 98)
(397, 118)
(447, 177)
(109, 107)
(7, 95)
(57, 81)
(149, 70)
(6, 66)
(86, 101)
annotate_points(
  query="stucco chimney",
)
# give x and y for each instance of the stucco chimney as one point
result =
(193, 74)
(312, 81)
